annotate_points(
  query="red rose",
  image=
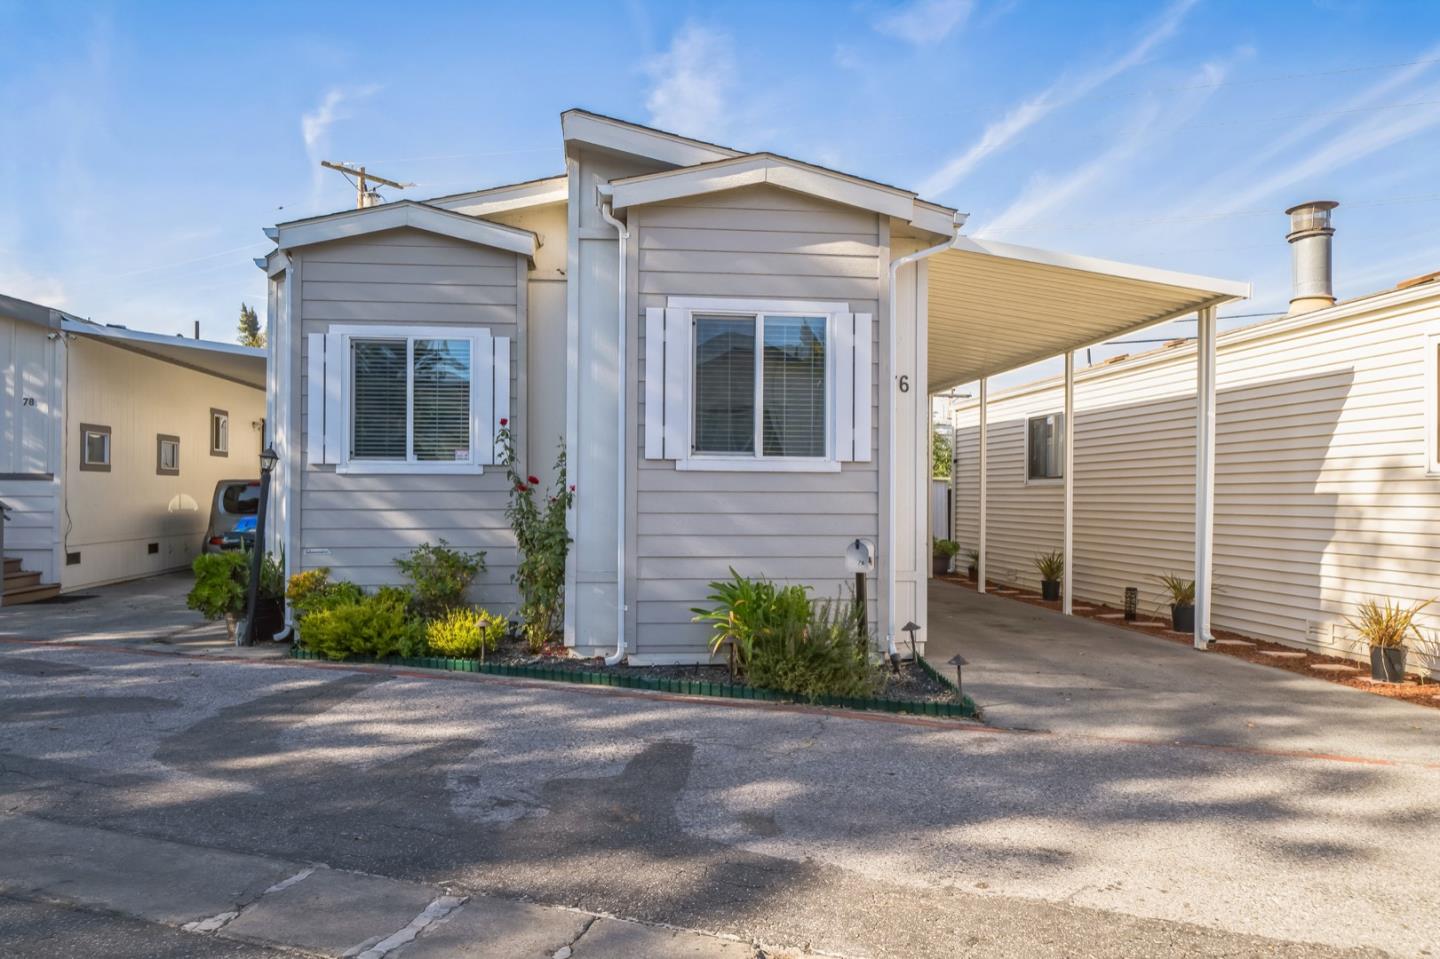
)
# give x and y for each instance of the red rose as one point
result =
(503, 421)
(532, 480)
(572, 487)
(519, 487)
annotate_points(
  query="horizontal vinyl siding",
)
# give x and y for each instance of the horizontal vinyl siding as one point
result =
(358, 525)
(1321, 496)
(692, 527)
(30, 531)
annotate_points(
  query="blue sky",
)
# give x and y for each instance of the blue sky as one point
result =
(145, 145)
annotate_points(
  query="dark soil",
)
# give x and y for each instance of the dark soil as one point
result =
(912, 683)
(1413, 690)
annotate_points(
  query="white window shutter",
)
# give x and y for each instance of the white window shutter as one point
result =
(482, 398)
(654, 383)
(324, 408)
(844, 390)
(502, 396)
(315, 399)
(864, 387)
(677, 384)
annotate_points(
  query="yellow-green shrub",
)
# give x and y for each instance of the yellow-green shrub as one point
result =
(377, 625)
(465, 633)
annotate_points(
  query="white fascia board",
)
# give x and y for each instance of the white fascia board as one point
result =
(621, 137)
(502, 199)
(763, 168)
(936, 219)
(272, 263)
(394, 216)
(81, 328)
(1227, 289)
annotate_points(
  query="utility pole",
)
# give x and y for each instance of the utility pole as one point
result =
(364, 196)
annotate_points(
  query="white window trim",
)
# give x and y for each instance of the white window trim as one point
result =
(352, 467)
(222, 435)
(758, 309)
(1432, 397)
(85, 447)
(1025, 462)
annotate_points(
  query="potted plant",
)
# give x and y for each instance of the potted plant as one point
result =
(944, 552)
(1052, 568)
(1182, 602)
(974, 569)
(219, 590)
(1386, 627)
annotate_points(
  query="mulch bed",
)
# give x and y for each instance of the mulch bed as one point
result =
(1413, 690)
(911, 684)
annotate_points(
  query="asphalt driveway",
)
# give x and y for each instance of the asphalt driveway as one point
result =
(1033, 668)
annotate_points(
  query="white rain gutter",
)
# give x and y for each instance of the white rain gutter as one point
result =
(895, 266)
(604, 202)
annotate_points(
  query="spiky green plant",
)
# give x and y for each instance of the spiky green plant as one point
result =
(1181, 591)
(1387, 624)
(1051, 565)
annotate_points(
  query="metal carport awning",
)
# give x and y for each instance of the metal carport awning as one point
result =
(994, 307)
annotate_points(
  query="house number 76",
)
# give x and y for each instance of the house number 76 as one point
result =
(904, 384)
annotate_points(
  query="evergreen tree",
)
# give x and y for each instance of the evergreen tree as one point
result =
(250, 332)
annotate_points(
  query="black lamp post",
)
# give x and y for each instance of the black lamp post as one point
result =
(268, 459)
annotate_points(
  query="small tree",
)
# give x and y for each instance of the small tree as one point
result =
(250, 332)
(941, 453)
(543, 541)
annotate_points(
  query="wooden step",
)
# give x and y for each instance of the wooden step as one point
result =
(30, 594)
(11, 565)
(20, 580)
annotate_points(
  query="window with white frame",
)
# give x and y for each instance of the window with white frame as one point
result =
(94, 448)
(1432, 403)
(1045, 447)
(167, 455)
(406, 399)
(219, 432)
(757, 384)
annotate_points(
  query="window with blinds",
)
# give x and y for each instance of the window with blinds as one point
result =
(769, 402)
(1045, 447)
(410, 400)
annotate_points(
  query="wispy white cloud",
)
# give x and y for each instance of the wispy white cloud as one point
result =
(925, 23)
(1046, 194)
(691, 82)
(315, 127)
(45, 290)
(1063, 92)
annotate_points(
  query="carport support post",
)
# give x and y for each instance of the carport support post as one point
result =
(1204, 472)
(1068, 469)
(984, 478)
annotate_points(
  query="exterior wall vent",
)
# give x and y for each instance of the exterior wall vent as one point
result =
(1310, 256)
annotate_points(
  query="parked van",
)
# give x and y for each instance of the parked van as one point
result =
(233, 501)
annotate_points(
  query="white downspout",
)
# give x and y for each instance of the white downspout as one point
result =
(895, 266)
(623, 454)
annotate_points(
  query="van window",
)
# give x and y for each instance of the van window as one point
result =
(240, 499)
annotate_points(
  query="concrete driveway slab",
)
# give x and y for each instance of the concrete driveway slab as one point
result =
(153, 879)
(1033, 668)
(486, 927)
(332, 912)
(614, 939)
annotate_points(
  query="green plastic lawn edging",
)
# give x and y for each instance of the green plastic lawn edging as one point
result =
(965, 709)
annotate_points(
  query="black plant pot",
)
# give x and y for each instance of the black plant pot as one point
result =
(269, 619)
(973, 572)
(1182, 617)
(942, 565)
(1387, 664)
(1049, 590)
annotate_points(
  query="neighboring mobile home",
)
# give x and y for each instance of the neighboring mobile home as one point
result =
(736, 351)
(111, 443)
(1327, 487)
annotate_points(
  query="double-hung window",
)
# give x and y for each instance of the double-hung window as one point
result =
(1045, 447)
(761, 385)
(401, 399)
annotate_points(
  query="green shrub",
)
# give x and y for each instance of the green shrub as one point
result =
(220, 581)
(1050, 566)
(376, 625)
(465, 633)
(312, 590)
(440, 576)
(782, 641)
(944, 548)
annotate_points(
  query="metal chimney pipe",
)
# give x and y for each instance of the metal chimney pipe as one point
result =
(1310, 257)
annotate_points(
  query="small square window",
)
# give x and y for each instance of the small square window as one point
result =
(94, 448)
(167, 455)
(1045, 447)
(219, 433)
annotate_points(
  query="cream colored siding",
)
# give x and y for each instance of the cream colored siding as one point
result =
(691, 527)
(111, 518)
(1321, 497)
(358, 525)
